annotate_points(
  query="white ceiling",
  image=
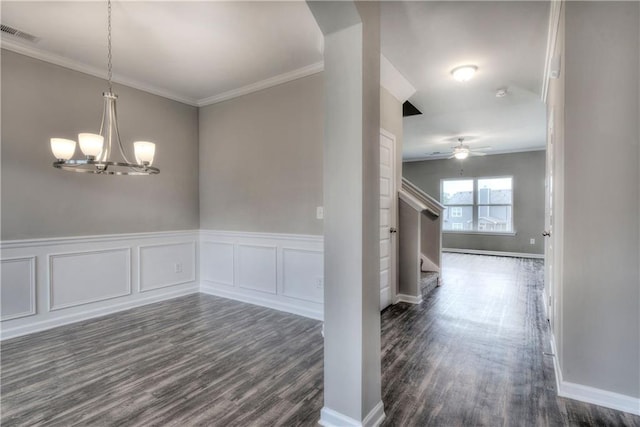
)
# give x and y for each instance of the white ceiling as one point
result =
(505, 39)
(190, 51)
(204, 52)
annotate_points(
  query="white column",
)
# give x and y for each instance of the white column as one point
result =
(352, 393)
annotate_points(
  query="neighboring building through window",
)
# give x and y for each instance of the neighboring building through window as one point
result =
(456, 212)
(478, 204)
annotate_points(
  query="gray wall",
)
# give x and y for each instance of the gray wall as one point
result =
(40, 101)
(261, 160)
(601, 292)
(527, 170)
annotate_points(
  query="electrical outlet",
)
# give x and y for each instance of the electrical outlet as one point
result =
(319, 282)
(532, 241)
(320, 212)
(177, 268)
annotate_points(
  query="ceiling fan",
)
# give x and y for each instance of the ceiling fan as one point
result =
(462, 151)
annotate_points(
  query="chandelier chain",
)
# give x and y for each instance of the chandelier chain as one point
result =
(109, 72)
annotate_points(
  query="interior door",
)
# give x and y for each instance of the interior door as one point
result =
(548, 222)
(387, 218)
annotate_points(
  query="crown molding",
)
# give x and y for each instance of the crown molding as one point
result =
(446, 156)
(390, 77)
(263, 84)
(87, 69)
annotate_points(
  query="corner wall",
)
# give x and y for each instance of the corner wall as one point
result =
(261, 160)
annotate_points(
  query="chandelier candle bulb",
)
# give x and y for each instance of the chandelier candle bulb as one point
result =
(63, 149)
(144, 152)
(91, 144)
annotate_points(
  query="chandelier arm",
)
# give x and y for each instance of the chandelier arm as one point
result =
(108, 122)
(104, 112)
(117, 131)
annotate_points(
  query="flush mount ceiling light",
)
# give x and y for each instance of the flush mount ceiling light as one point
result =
(464, 73)
(97, 147)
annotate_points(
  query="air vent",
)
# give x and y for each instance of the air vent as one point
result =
(17, 33)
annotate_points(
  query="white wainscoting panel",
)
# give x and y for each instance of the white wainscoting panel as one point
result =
(90, 276)
(256, 268)
(55, 281)
(216, 260)
(18, 289)
(280, 271)
(303, 274)
(167, 264)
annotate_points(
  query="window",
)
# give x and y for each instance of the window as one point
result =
(480, 204)
(456, 212)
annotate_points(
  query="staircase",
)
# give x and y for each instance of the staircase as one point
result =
(420, 242)
(429, 280)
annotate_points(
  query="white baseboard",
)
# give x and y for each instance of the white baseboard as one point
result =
(409, 298)
(43, 325)
(263, 301)
(595, 396)
(375, 417)
(600, 397)
(331, 418)
(493, 253)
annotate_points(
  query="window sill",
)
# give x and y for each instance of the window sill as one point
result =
(483, 233)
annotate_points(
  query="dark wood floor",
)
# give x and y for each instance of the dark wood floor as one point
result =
(470, 354)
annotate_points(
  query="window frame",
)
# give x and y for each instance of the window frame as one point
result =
(458, 212)
(475, 207)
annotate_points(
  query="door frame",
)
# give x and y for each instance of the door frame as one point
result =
(393, 220)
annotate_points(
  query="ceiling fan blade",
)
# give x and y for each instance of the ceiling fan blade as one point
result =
(477, 154)
(451, 156)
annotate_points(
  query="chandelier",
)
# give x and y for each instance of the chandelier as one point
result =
(97, 147)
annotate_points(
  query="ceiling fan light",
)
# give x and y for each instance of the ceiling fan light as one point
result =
(464, 73)
(461, 154)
